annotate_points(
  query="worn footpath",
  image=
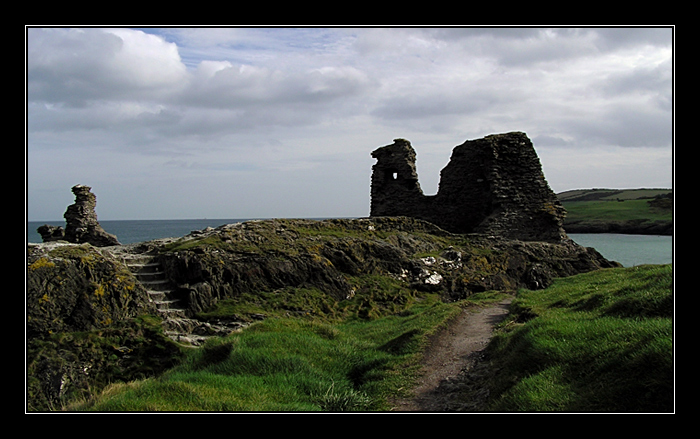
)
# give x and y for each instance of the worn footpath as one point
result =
(452, 364)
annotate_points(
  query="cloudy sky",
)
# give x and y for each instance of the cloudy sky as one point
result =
(181, 123)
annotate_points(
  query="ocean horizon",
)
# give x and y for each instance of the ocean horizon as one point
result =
(133, 231)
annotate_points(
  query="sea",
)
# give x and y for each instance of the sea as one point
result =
(628, 250)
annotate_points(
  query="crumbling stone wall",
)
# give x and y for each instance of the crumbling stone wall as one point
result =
(492, 185)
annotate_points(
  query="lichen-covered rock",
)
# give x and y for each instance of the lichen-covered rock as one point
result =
(79, 287)
(74, 287)
(267, 255)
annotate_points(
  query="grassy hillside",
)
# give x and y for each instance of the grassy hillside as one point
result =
(600, 341)
(611, 194)
(295, 364)
(641, 211)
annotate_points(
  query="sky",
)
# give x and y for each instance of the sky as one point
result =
(279, 122)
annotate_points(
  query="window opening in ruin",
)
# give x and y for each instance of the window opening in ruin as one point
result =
(394, 175)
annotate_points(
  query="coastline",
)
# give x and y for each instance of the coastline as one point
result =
(630, 227)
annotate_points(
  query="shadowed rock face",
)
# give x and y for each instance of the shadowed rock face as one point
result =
(492, 185)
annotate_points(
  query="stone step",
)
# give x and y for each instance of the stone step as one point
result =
(152, 281)
(143, 264)
(138, 261)
(167, 304)
(170, 313)
(176, 325)
(157, 296)
(147, 270)
(182, 325)
(157, 285)
(147, 274)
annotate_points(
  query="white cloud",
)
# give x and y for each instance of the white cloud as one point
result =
(606, 167)
(206, 108)
(76, 66)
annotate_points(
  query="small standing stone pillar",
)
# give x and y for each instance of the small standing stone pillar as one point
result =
(81, 222)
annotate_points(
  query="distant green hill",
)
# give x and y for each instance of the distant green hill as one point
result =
(633, 211)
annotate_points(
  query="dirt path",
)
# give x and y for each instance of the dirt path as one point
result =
(456, 348)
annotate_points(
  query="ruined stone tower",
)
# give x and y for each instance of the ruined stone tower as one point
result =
(492, 185)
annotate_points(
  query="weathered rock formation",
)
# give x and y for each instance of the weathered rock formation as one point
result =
(81, 222)
(51, 233)
(86, 324)
(492, 185)
(269, 255)
(73, 287)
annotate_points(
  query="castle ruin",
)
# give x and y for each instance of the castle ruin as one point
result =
(492, 185)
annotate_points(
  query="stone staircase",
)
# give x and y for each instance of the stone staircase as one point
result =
(176, 325)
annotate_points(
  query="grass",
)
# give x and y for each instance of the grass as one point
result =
(619, 210)
(291, 364)
(596, 342)
(628, 210)
(126, 351)
(612, 194)
(625, 211)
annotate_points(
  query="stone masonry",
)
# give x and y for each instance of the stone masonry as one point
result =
(492, 185)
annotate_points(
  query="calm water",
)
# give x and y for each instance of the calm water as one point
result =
(129, 232)
(629, 250)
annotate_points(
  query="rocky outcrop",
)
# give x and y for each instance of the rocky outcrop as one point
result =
(492, 185)
(74, 287)
(78, 287)
(268, 255)
(51, 233)
(81, 222)
(88, 323)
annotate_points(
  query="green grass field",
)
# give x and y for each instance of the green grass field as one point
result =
(595, 342)
(611, 194)
(622, 211)
(629, 210)
(299, 363)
